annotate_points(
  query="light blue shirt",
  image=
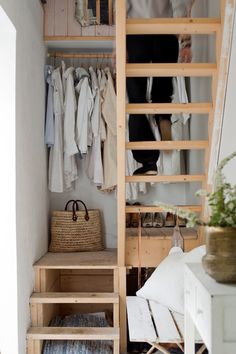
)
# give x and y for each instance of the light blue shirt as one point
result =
(49, 134)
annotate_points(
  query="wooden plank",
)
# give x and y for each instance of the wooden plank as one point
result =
(122, 314)
(98, 12)
(61, 18)
(165, 326)
(140, 324)
(173, 69)
(49, 18)
(168, 145)
(121, 124)
(172, 26)
(73, 333)
(179, 320)
(74, 28)
(79, 260)
(67, 298)
(162, 232)
(34, 314)
(30, 346)
(86, 283)
(166, 178)
(153, 250)
(153, 208)
(110, 12)
(165, 108)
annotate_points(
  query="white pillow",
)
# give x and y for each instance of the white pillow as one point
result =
(166, 284)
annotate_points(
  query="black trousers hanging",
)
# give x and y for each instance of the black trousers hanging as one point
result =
(146, 49)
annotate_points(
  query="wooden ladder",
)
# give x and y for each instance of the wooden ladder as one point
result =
(216, 71)
(46, 300)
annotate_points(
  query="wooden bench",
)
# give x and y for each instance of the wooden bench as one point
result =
(153, 323)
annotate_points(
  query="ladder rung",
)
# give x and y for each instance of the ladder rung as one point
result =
(71, 298)
(172, 178)
(168, 145)
(153, 208)
(168, 108)
(173, 26)
(73, 333)
(170, 69)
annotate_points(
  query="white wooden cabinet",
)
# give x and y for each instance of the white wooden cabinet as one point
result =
(210, 307)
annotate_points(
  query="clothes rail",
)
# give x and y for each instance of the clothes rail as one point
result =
(81, 55)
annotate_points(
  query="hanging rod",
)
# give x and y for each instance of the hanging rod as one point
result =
(80, 55)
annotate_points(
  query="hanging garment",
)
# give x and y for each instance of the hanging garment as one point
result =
(49, 135)
(70, 147)
(84, 111)
(94, 166)
(110, 144)
(171, 162)
(56, 173)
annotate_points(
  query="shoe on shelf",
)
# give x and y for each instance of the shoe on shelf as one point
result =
(147, 220)
(134, 217)
(170, 220)
(158, 220)
(165, 128)
(147, 169)
(180, 222)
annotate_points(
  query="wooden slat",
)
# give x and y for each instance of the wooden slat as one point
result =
(61, 18)
(179, 319)
(70, 298)
(172, 26)
(165, 108)
(169, 70)
(153, 208)
(141, 328)
(165, 326)
(106, 259)
(163, 233)
(77, 38)
(168, 145)
(73, 333)
(166, 178)
(49, 18)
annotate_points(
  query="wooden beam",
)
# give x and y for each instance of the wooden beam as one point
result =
(168, 108)
(172, 26)
(74, 297)
(168, 145)
(171, 70)
(166, 178)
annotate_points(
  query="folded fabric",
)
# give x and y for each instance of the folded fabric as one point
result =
(166, 284)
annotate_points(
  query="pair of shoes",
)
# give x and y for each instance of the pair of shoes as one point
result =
(147, 169)
(132, 219)
(165, 128)
(153, 220)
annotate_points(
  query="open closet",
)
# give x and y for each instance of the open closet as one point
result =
(70, 283)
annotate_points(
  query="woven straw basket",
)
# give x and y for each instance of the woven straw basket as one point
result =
(76, 230)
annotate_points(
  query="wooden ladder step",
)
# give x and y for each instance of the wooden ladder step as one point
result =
(153, 208)
(168, 108)
(168, 145)
(173, 26)
(73, 333)
(73, 298)
(171, 69)
(166, 178)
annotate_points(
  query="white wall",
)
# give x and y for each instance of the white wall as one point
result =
(228, 138)
(31, 184)
(8, 271)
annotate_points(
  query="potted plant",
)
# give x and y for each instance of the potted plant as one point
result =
(220, 230)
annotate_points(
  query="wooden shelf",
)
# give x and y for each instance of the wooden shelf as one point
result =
(153, 208)
(106, 259)
(166, 178)
(74, 298)
(168, 145)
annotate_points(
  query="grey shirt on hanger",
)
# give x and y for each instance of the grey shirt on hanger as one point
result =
(158, 8)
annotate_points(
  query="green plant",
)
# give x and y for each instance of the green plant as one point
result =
(222, 202)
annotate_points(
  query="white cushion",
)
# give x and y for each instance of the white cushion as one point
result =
(166, 284)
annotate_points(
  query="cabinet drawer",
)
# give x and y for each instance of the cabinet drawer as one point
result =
(202, 315)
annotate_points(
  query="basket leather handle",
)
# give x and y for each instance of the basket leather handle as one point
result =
(86, 217)
(75, 207)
